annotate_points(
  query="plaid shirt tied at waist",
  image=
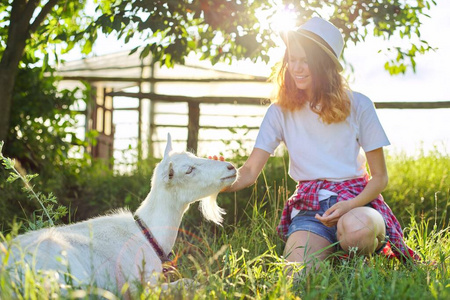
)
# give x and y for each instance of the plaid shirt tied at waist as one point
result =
(306, 198)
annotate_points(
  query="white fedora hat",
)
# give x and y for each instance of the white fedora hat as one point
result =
(324, 34)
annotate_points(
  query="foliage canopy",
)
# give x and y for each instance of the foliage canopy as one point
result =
(224, 30)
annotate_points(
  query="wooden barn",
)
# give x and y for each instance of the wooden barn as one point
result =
(136, 102)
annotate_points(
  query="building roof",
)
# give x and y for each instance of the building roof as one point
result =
(124, 70)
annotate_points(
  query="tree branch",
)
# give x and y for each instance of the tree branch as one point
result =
(352, 17)
(42, 15)
(28, 11)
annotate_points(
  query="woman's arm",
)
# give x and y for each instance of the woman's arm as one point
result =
(379, 180)
(374, 187)
(250, 170)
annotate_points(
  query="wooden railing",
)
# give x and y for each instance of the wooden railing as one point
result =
(194, 107)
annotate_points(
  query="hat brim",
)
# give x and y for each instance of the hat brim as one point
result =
(330, 53)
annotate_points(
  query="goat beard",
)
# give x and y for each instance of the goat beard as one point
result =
(211, 211)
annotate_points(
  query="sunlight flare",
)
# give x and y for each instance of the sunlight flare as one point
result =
(283, 19)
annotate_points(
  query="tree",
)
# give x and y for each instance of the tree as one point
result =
(170, 29)
(30, 28)
(42, 124)
(223, 30)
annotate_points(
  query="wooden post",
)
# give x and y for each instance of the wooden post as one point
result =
(90, 108)
(139, 146)
(193, 126)
(151, 116)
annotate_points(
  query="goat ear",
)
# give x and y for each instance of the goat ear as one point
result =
(168, 146)
(170, 170)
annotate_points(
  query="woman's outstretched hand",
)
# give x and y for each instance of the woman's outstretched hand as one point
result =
(331, 216)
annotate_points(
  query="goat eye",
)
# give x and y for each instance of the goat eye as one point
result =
(189, 171)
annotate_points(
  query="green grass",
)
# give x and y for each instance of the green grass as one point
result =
(420, 186)
(242, 259)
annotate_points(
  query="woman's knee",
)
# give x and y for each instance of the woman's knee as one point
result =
(303, 250)
(302, 244)
(361, 228)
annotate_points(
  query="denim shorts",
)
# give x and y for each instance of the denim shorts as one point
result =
(305, 221)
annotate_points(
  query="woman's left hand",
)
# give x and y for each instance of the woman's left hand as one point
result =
(331, 216)
(215, 157)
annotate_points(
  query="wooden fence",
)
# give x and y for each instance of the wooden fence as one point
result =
(194, 108)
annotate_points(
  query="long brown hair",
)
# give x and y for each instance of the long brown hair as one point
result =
(329, 98)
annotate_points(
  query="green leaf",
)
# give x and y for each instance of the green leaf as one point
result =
(145, 52)
(29, 177)
(116, 24)
(12, 177)
(133, 50)
(87, 47)
(8, 163)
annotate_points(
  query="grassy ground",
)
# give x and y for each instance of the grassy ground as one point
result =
(242, 258)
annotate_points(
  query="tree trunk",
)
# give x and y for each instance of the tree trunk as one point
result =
(18, 33)
(7, 79)
(9, 66)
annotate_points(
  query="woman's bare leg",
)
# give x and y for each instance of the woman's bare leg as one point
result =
(304, 247)
(362, 228)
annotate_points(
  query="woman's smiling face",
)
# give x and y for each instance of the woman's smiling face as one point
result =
(299, 70)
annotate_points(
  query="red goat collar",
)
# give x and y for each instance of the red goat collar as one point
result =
(151, 239)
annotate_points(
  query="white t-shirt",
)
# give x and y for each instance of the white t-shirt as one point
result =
(323, 151)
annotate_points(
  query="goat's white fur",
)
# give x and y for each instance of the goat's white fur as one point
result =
(111, 249)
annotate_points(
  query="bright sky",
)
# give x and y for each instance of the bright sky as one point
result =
(430, 83)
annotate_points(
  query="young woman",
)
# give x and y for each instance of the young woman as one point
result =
(337, 204)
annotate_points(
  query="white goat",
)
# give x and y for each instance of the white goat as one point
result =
(113, 249)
